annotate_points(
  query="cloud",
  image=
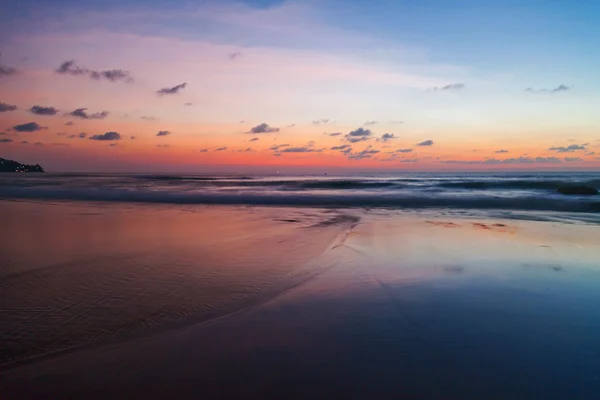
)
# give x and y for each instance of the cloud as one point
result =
(570, 148)
(235, 56)
(254, 139)
(387, 136)
(221, 148)
(450, 87)
(38, 144)
(559, 88)
(132, 137)
(163, 133)
(300, 150)
(7, 107)
(342, 147)
(148, 118)
(321, 121)
(591, 153)
(189, 103)
(263, 128)
(246, 150)
(358, 135)
(107, 136)
(28, 127)
(426, 143)
(162, 146)
(396, 122)
(70, 123)
(404, 151)
(172, 90)
(203, 150)
(370, 123)
(519, 160)
(5, 140)
(6, 70)
(335, 134)
(278, 146)
(501, 151)
(81, 113)
(367, 153)
(24, 142)
(571, 159)
(112, 75)
(39, 110)
(290, 125)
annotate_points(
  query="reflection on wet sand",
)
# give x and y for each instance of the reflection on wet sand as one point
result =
(398, 306)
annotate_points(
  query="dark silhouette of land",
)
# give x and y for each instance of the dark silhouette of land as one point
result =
(15, 166)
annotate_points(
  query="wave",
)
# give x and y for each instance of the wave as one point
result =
(365, 199)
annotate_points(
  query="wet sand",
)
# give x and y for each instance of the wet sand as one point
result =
(297, 303)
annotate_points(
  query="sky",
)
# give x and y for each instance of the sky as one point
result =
(319, 85)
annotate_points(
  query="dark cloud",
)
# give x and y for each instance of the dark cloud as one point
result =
(367, 153)
(6, 70)
(263, 128)
(70, 123)
(221, 148)
(370, 123)
(254, 139)
(570, 148)
(321, 121)
(559, 88)
(81, 113)
(162, 146)
(7, 107)
(39, 110)
(28, 127)
(163, 133)
(404, 151)
(360, 132)
(300, 150)
(107, 136)
(112, 75)
(452, 86)
(571, 159)
(342, 147)
(387, 136)
(426, 143)
(335, 134)
(235, 56)
(501, 151)
(356, 139)
(173, 90)
(5, 140)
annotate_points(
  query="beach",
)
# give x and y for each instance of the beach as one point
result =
(122, 300)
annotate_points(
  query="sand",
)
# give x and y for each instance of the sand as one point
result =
(170, 302)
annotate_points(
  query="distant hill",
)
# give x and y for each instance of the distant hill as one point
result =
(14, 166)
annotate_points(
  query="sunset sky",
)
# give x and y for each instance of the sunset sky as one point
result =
(310, 84)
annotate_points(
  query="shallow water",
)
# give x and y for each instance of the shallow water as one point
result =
(383, 304)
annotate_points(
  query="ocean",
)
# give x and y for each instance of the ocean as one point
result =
(407, 285)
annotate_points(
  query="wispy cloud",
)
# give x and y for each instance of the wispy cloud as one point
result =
(235, 55)
(7, 107)
(172, 90)
(163, 146)
(5, 140)
(450, 87)
(501, 151)
(404, 151)
(370, 123)
(300, 150)
(82, 113)
(163, 133)
(39, 110)
(5, 70)
(334, 134)
(367, 153)
(558, 89)
(321, 121)
(221, 148)
(278, 146)
(107, 136)
(254, 139)
(342, 147)
(113, 75)
(263, 128)
(518, 160)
